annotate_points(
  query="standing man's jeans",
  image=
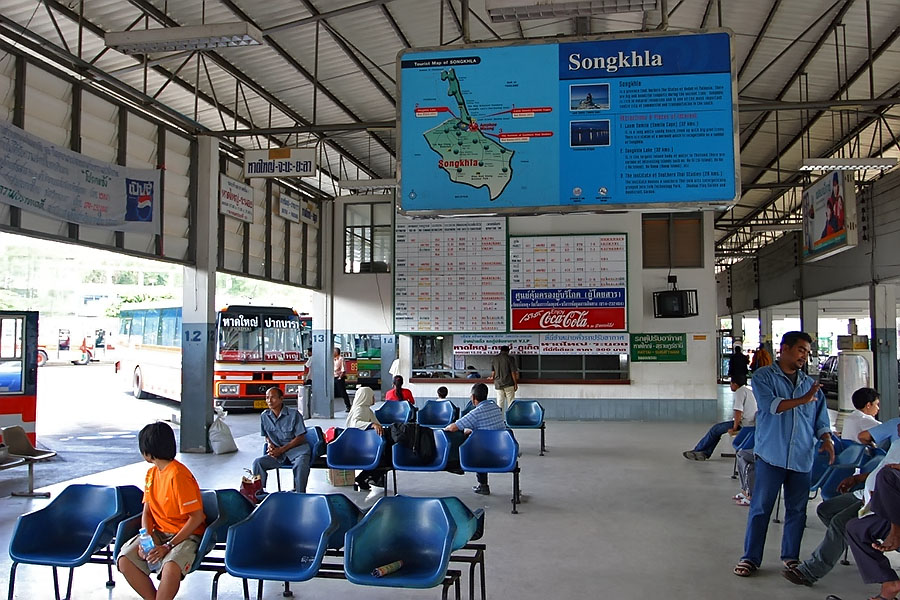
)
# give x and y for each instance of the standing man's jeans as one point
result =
(299, 466)
(769, 480)
(505, 397)
(708, 444)
(835, 514)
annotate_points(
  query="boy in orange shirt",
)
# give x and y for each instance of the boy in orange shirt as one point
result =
(173, 515)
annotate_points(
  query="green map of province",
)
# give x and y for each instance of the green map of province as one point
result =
(468, 155)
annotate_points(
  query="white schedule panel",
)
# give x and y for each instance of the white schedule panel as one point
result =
(568, 283)
(450, 275)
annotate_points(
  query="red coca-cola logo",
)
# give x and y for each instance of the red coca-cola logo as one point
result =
(559, 319)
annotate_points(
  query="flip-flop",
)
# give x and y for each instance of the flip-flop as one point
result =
(790, 563)
(742, 502)
(744, 568)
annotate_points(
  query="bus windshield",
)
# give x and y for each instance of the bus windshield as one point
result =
(261, 336)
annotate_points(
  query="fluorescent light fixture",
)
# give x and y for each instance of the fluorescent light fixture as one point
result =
(848, 164)
(192, 37)
(367, 184)
(776, 227)
(521, 10)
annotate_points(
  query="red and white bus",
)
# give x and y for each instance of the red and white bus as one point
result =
(257, 347)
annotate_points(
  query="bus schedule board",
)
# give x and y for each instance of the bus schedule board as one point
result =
(639, 121)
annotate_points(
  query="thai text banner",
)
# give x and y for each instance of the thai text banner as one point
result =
(569, 298)
(235, 199)
(544, 343)
(42, 178)
(280, 162)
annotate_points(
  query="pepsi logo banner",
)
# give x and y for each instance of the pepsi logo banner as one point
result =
(40, 177)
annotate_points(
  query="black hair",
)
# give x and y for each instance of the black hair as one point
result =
(863, 396)
(398, 386)
(442, 392)
(504, 348)
(791, 338)
(480, 392)
(277, 390)
(739, 379)
(157, 440)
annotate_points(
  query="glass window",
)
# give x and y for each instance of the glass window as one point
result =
(367, 237)
(151, 326)
(169, 333)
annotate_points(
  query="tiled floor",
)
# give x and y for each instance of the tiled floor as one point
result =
(613, 511)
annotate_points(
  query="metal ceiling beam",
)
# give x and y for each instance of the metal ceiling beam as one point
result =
(325, 15)
(801, 68)
(395, 26)
(759, 37)
(290, 130)
(834, 105)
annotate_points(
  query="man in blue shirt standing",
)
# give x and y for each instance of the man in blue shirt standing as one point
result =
(791, 416)
(285, 434)
(485, 415)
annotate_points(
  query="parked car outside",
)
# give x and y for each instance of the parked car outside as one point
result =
(828, 375)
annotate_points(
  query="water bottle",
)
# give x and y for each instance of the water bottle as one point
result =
(147, 544)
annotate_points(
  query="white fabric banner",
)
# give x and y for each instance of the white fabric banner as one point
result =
(235, 199)
(543, 343)
(40, 177)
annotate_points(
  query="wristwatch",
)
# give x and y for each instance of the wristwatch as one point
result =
(168, 545)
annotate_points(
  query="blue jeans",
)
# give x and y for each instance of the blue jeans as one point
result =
(835, 514)
(708, 444)
(769, 480)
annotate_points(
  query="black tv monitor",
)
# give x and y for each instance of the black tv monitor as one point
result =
(673, 304)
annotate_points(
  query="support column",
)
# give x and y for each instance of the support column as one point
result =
(323, 320)
(765, 329)
(883, 310)
(388, 354)
(809, 322)
(737, 329)
(199, 312)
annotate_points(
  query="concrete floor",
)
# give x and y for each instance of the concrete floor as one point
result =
(613, 511)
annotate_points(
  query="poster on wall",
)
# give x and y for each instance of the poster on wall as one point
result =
(829, 216)
(620, 121)
(659, 347)
(568, 283)
(235, 199)
(542, 343)
(39, 177)
(450, 275)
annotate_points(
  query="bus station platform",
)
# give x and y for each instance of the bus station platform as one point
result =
(612, 510)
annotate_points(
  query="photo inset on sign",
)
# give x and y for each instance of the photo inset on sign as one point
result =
(589, 133)
(594, 96)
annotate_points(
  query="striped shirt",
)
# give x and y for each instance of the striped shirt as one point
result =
(487, 415)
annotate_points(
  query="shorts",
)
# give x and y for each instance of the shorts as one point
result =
(183, 554)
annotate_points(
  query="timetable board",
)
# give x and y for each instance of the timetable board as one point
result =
(568, 283)
(450, 275)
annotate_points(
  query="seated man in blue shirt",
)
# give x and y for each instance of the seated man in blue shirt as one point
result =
(485, 415)
(285, 434)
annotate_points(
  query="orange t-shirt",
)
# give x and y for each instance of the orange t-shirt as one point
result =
(172, 494)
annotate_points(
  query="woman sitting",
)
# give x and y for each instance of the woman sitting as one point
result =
(398, 392)
(362, 417)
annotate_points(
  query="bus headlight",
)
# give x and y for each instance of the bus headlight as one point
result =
(291, 389)
(229, 389)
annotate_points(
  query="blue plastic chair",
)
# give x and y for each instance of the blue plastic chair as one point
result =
(469, 527)
(79, 522)
(284, 539)
(527, 414)
(418, 531)
(394, 412)
(744, 440)
(356, 449)
(346, 514)
(469, 407)
(492, 451)
(405, 460)
(851, 458)
(436, 414)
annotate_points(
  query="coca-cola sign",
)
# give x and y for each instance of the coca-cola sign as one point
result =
(563, 319)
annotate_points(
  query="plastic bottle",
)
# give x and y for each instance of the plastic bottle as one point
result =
(147, 544)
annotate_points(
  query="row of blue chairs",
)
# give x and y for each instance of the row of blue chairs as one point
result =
(484, 451)
(284, 539)
(522, 414)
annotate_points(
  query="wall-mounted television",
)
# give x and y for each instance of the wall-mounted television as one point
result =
(673, 304)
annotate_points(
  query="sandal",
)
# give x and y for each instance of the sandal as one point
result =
(742, 502)
(790, 563)
(738, 496)
(745, 568)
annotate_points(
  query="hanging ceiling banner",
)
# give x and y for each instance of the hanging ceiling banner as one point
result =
(235, 199)
(289, 208)
(309, 212)
(280, 162)
(39, 177)
(552, 126)
(829, 216)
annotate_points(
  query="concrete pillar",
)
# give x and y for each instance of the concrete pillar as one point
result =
(388, 354)
(809, 322)
(765, 329)
(883, 311)
(323, 320)
(737, 329)
(199, 312)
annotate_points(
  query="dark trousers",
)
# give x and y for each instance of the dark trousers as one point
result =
(340, 391)
(482, 478)
(873, 565)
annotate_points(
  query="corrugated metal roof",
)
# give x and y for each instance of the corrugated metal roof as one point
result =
(358, 41)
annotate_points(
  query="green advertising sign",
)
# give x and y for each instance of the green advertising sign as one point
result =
(659, 347)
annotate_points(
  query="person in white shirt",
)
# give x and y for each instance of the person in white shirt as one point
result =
(867, 404)
(744, 416)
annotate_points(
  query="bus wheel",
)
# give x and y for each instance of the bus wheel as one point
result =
(42, 358)
(137, 385)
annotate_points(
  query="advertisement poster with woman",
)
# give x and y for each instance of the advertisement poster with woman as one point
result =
(829, 215)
